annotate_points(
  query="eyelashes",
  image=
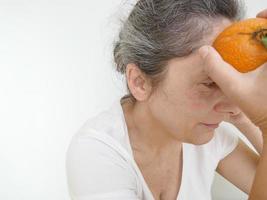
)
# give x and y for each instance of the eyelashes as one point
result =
(210, 84)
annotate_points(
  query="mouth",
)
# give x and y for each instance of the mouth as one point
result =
(213, 126)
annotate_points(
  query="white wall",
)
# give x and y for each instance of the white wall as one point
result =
(56, 71)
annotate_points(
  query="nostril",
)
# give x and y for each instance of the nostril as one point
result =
(234, 113)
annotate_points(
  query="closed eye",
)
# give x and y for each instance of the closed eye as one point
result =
(210, 84)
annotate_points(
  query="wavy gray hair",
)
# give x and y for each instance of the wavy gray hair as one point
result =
(159, 30)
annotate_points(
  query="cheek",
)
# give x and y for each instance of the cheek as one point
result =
(197, 100)
(197, 106)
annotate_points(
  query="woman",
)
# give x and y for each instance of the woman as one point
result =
(165, 140)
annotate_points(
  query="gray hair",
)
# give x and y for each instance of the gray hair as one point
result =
(159, 30)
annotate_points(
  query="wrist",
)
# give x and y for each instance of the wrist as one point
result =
(264, 136)
(246, 126)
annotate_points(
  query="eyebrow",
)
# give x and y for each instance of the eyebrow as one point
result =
(208, 79)
(201, 75)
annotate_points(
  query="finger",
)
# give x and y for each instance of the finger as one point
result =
(262, 14)
(259, 74)
(222, 73)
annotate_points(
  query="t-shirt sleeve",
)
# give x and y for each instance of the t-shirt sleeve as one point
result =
(97, 172)
(227, 141)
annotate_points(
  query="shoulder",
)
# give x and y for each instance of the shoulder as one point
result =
(101, 136)
(108, 122)
(95, 167)
(227, 139)
(96, 145)
(224, 141)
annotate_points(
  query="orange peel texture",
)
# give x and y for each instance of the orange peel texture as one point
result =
(243, 44)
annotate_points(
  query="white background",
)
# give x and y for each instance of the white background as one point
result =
(56, 71)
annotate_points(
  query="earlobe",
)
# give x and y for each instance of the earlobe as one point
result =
(137, 82)
(141, 88)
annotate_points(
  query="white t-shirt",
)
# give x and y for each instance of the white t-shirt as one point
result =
(100, 163)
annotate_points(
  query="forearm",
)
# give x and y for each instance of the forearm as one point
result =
(259, 186)
(253, 134)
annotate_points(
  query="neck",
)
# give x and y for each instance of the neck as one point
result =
(146, 132)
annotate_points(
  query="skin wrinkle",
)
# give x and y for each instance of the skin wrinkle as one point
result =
(160, 120)
(177, 109)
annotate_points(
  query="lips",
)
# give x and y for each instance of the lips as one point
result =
(211, 125)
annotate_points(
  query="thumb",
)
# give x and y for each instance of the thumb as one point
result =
(247, 90)
(262, 14)
(223, 74)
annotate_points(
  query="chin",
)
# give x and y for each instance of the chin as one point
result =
(203, 138)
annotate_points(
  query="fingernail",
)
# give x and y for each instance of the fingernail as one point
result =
(203, 51)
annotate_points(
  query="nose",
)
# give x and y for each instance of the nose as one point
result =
(226, 107)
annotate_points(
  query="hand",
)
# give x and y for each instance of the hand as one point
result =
(247, 90)
(238, 119)
(241, 118)
(262, 14)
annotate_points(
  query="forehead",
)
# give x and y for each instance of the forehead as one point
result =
(191, 65)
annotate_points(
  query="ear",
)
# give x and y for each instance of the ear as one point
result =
(138, 83)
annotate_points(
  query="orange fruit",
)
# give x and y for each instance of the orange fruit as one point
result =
(243, 44)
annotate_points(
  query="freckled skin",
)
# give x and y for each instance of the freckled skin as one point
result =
(197, 106)
(194, 102)
(183, 103)
(175, 113)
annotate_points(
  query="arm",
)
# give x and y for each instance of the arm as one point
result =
(259, 187)
(239, 167)
(248, 91)
(252, 133)
(246, 170)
